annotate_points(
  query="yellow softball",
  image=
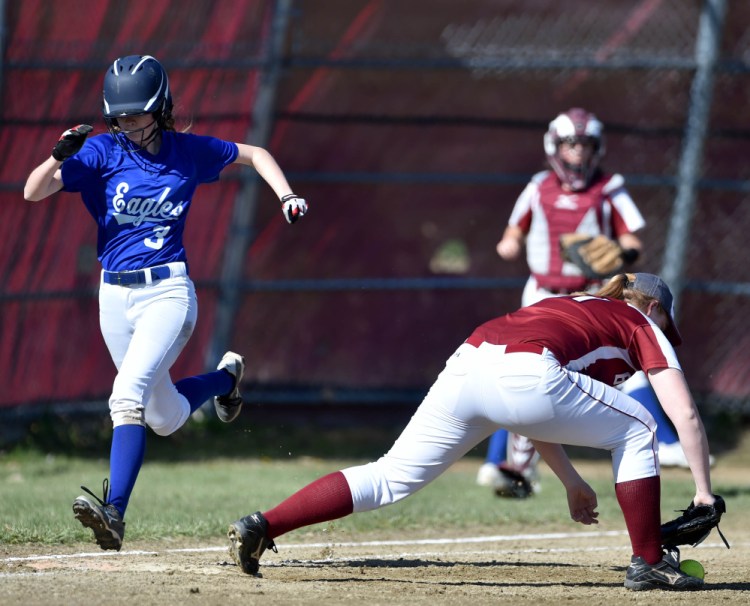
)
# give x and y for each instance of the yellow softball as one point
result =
(692, 568)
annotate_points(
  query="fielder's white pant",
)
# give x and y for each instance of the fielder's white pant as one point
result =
(145, 327)
(482, 389)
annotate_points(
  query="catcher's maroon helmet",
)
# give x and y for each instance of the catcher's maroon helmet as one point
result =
(576, 124)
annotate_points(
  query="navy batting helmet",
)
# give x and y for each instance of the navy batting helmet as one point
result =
(136, 84)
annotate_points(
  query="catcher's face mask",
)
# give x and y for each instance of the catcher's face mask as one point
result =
(653, 286)
(574, 126)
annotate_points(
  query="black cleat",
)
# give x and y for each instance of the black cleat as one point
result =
(662, 575)
(103, 518)
(248, 542)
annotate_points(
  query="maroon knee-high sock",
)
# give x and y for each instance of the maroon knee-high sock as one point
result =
(640, 504)
(327, 498)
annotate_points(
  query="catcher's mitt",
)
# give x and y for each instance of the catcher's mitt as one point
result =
(694, 525)
(598, 256)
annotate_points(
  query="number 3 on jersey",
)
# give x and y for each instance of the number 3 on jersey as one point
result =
(158, 240)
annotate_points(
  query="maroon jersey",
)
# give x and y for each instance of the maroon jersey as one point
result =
(544, 211)
(603, 338)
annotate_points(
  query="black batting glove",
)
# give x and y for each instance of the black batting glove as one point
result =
(71, 142)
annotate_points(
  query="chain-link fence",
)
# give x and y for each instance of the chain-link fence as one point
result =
(411, 128)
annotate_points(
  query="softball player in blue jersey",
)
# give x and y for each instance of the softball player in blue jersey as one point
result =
(137, 182)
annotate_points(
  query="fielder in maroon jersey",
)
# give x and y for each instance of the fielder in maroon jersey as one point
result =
(575, 196)
(548, 372)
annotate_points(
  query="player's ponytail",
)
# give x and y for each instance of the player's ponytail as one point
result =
(615, 288)
(622, 288)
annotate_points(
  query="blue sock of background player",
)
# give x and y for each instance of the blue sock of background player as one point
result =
(129, 441)
(498, 447)
(645, 395)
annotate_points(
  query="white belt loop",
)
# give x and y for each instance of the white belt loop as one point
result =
(176, 269)
(147, 275)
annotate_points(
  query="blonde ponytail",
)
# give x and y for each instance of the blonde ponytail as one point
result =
(620, 287)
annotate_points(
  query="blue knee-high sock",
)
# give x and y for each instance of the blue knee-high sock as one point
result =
(125, 460)
(498, 447)
(200, 388)
(665, 432)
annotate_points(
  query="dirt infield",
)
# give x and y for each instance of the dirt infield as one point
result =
(573, 567)
(572, 564)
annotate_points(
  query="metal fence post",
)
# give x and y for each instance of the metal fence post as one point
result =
(245, 204)
(706, 53)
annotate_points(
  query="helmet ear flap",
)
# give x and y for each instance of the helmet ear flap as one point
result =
(550, 145)
(111, 123)
(164, 114)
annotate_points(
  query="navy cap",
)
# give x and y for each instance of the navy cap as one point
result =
(653, 286)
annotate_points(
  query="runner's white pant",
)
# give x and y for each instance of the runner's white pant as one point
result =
(482, 389)
(145, 328)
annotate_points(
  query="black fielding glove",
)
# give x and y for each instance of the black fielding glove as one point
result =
(694, 525)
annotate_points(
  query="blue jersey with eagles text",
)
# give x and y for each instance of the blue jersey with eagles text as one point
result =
(140, 201)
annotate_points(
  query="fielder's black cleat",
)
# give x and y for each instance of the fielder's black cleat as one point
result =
(248, 541)
(103, 518)
(662, 575)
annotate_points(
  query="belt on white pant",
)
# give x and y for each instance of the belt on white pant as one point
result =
(147, 275)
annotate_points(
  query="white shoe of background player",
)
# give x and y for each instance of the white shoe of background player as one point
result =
(672, 455)
(488, 474)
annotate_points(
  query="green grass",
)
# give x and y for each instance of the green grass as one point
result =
(197, 499)
(185, 491)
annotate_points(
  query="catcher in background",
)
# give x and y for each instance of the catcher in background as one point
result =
(546, 371)
(579, 226)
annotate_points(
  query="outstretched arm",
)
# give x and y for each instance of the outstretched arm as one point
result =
(582, 501)
(292, 205)
(263, 162)
(674, 396)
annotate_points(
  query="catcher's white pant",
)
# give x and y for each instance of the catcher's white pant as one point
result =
(145, 327)
(482, 389)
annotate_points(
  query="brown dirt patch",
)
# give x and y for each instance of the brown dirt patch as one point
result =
(575, 566)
